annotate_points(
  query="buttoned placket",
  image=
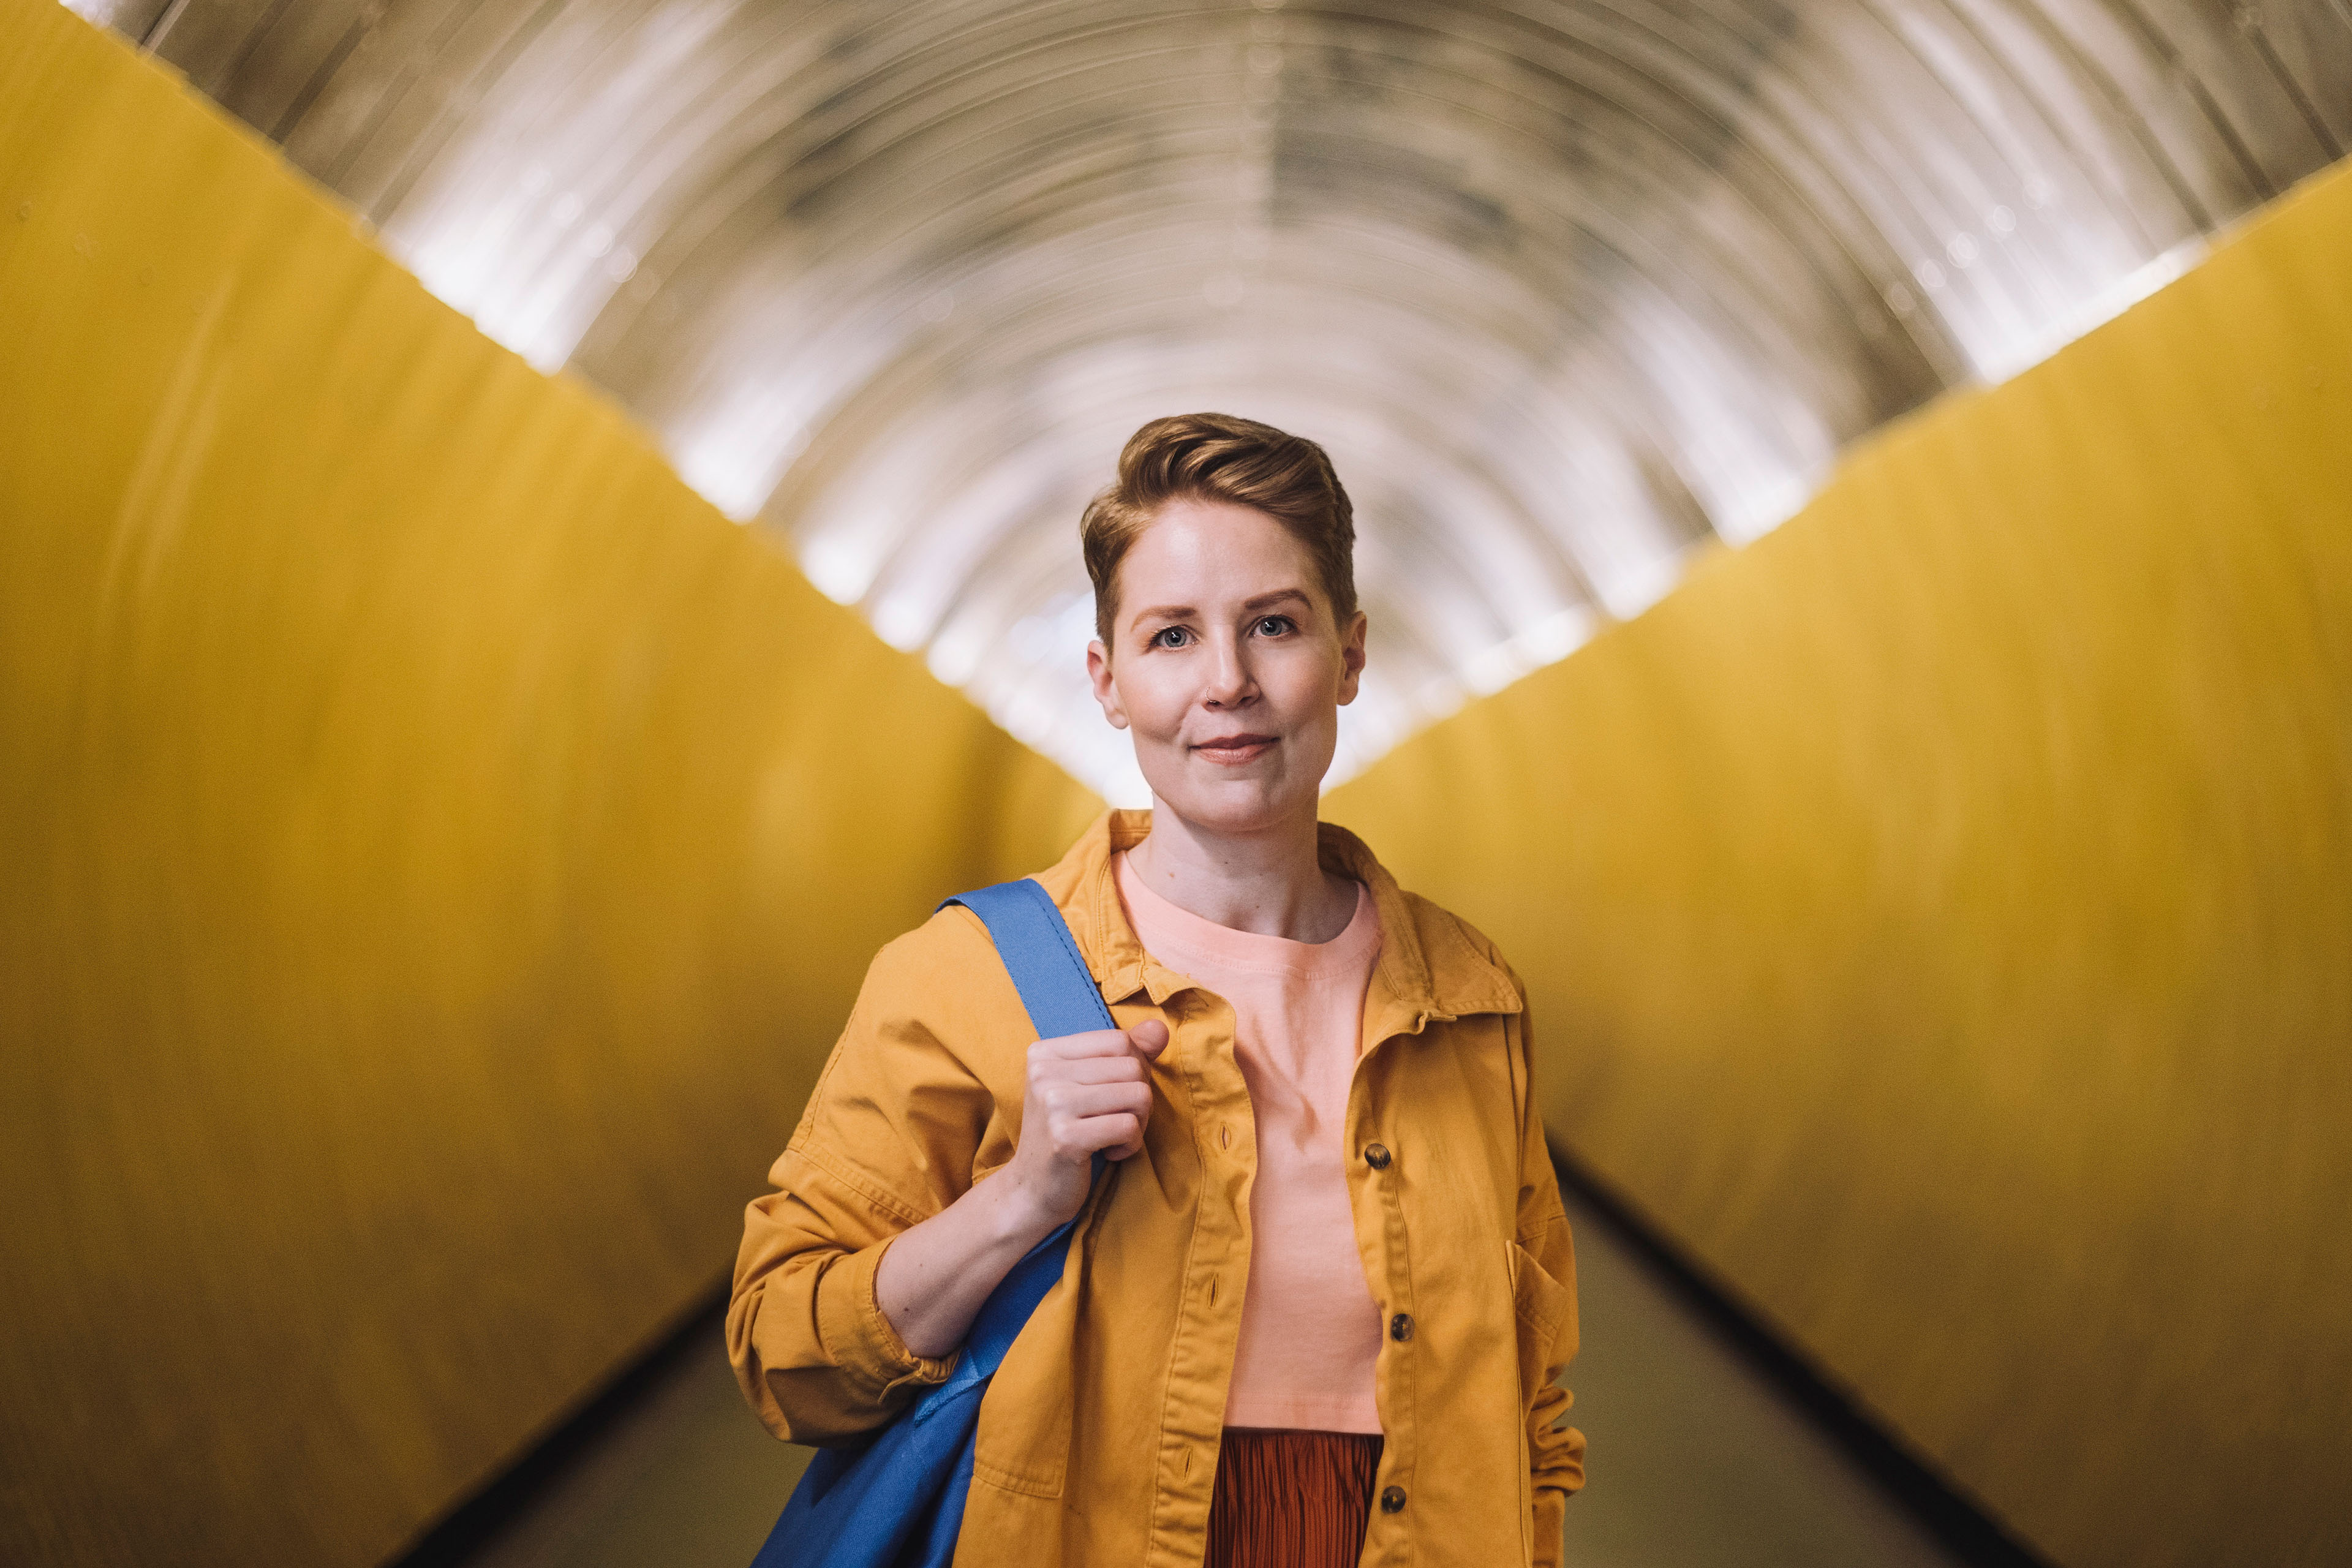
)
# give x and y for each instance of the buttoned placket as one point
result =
(1376, 1170)
(1201, 1044)
(1202, 1054)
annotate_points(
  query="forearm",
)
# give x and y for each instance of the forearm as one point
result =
(934, 1277)
(815, 1357)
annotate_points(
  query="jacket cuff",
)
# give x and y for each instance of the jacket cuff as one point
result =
(1550, 1528)
(861, 1339)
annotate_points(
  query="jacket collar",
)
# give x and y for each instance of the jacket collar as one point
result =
(1429, 967)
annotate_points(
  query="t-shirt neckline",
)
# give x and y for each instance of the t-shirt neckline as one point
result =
(1191, 938)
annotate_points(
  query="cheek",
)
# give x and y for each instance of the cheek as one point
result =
(1303, 686)
(1155, 699)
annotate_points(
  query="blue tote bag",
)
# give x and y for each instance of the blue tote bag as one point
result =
(897, 1500)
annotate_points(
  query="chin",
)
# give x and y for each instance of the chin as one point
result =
(1231, 814)
(1244, 805)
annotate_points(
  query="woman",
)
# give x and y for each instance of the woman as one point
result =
(1315, 1306)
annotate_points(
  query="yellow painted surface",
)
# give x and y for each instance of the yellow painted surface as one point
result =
(435, 851)
(1940, 916)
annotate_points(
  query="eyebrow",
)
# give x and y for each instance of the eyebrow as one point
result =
(1263, 602)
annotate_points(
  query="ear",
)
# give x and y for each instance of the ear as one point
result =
(1351, 658)
(1106, 690)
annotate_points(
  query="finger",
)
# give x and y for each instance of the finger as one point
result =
(1149, 1038)
(1115, 1136)
(1073, 1047)
(1123, 1068)
(1071, 1102)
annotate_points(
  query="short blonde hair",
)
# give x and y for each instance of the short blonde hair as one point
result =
(1220, 456)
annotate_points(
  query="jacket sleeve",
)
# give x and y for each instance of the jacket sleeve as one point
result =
(889, 1137)
(1555, 1450)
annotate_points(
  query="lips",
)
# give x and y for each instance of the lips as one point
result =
(1233, 750)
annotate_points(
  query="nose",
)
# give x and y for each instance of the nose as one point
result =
(1230, 683)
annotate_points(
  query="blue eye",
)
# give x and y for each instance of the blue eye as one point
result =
(1274, 626)
(1169, 637)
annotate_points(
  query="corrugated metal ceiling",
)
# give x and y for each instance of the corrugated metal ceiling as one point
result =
(1570, 289)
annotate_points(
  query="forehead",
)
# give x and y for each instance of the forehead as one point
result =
(1197, 553)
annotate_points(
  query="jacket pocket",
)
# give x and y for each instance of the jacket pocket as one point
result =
(1546, 1315)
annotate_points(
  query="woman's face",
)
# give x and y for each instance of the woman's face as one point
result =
(1226, 666)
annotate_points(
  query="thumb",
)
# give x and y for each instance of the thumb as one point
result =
(1149, 1037)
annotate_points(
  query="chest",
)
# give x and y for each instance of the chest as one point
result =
(1137, 1355)
(1423, 1124)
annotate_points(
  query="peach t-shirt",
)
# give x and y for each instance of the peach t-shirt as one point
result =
(1310, 1332)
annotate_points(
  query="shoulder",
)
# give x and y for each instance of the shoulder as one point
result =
(937, 1036)
(942, 984)
(1467, 971)
(950, 945)
(1451, 948)
(1445, 935)
(906, 1097)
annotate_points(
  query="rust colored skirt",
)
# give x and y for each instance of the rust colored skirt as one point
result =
(1291, 1499)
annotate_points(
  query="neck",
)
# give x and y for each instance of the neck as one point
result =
(1269, 882)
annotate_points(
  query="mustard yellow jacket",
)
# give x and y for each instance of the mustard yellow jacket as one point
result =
(1098, 1438)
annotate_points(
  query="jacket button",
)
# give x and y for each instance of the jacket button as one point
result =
(1400, 1328)
(1392, 1500)
(1377, 1156)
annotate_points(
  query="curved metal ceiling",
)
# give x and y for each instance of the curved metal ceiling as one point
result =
(1568, 287)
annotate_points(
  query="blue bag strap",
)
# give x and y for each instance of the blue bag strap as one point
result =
(1040, 955)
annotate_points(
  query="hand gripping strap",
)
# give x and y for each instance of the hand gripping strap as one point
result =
(1038, 952)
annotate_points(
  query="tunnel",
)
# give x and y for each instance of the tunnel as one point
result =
(536, 535)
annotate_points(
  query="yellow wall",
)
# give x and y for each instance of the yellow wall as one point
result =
(436, 850)
(1940, 916)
